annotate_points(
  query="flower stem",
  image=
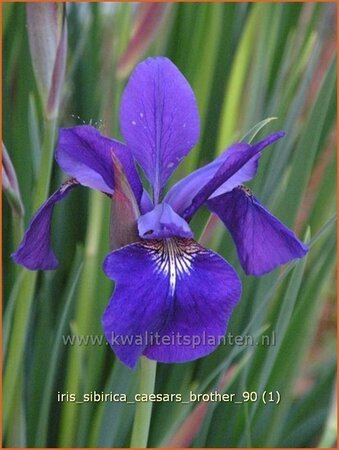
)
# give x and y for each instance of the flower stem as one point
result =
(142, 418)
(84, 313)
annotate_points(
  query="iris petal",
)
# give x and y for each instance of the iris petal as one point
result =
(173, 295)
(35, 250)
(263, 242)
(163, 222)
(159, 119)
(83, 153)
(227, 170)
(140, 303)
(182, 193)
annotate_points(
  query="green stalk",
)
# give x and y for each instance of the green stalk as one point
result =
(25, 297)
(46, 163)
(83, 315)
(143, 412)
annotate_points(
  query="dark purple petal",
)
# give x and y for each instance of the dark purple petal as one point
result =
(163, 222)
(83, 153)
(139, 305)
(182, 193)
(205, 291)
(35, 250)
(229, 168)
(159, 119)
(172, 301)
(263, 242)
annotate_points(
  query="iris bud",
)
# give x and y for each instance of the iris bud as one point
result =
(47, 33)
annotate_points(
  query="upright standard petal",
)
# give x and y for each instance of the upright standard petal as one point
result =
(159, 119)
(35, 251)
(227, 170)
(263, 242)
(163, 222)
(182, 193)
(172, 302)
(83, 153)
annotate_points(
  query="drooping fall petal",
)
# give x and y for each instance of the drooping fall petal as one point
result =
(182, 193)
(35, 251)
(172, 301)
(228, 169)
(263, 242)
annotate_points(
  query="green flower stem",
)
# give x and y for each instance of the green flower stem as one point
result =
(47, 153)
(25, 297)
(84, 314)
(142, 418)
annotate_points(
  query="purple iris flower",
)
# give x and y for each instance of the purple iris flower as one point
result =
(173, 298)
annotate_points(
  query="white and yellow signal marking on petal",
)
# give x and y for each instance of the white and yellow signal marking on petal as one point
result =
(173, 257)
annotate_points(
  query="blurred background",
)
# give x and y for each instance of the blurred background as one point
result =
(255, 68)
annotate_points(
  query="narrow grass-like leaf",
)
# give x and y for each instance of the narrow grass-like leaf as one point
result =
(44, 414)
(232, 100)
(251, 134)
(329, 435)
(301, 167)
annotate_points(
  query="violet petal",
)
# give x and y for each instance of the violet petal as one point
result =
(263, 242)
(163, 222)
(182, 193)
(139, 305)
(229, 168)
(172, 302)
(35, 251)
(83, 153)
(159, 119)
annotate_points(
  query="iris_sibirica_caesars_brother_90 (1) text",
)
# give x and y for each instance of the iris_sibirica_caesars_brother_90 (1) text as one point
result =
(166, 283)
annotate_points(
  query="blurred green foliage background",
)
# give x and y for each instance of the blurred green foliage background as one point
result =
(246, 62)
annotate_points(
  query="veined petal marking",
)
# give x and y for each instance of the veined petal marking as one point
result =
(173, 257)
